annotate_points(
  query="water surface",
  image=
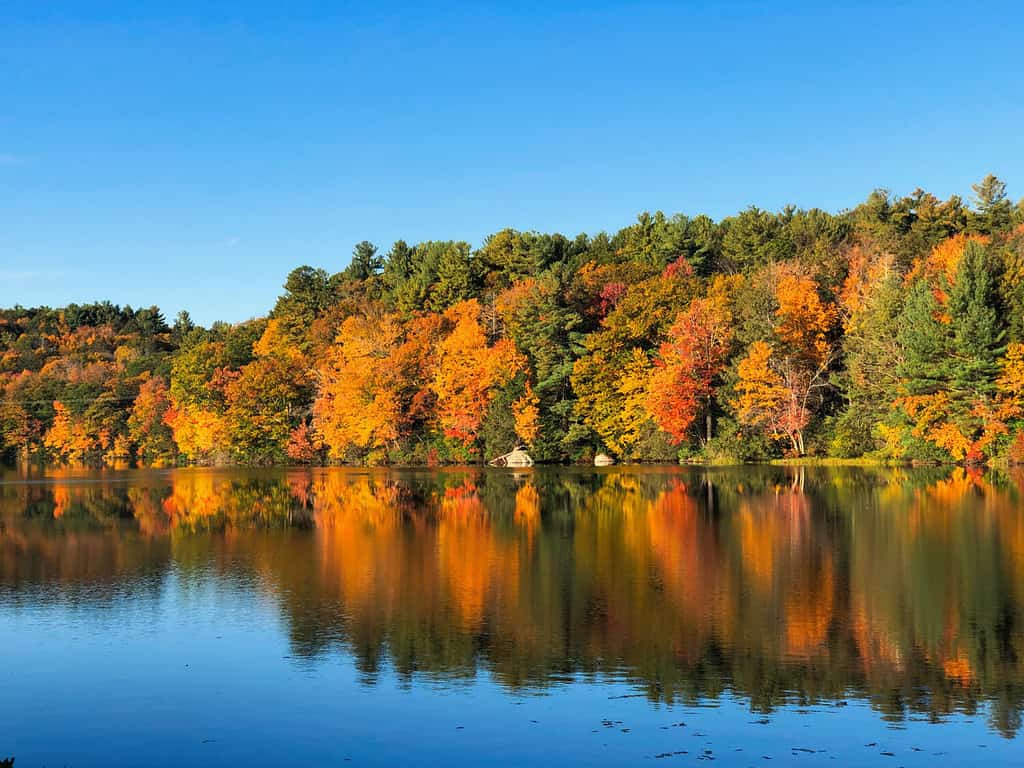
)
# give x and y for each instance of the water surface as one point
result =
(492, 617)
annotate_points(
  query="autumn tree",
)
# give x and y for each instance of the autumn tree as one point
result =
(526, 414)
(766, 401)
(195, 414)
(68, 437)
(265, 402)
(146, 426)
(779, 381)
(610, 378)
(17, 427)
(357, 405)
(469, 372)
(682, 385)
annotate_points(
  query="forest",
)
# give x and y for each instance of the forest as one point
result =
(893, 331)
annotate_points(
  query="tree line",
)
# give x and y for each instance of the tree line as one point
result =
(894, 331)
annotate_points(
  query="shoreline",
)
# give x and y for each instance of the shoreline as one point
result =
(785, 462)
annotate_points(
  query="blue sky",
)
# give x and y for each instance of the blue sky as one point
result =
(190, 154)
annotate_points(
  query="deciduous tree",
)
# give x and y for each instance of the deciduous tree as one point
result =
(682, 384)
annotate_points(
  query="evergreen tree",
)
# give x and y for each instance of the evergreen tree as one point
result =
(398, 268)
(977, 328)
(924, 343)
(753, 238)
(307, 293)
(951, 350)
(993, 210)
(454, 276)
(366, 263)
(182, 328)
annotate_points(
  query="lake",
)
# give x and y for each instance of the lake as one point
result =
(818, 616)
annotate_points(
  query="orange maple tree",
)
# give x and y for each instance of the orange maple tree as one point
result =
(357, 404)
(683, 381)
(469, 372)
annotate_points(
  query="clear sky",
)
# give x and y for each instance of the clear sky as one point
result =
(189, 154)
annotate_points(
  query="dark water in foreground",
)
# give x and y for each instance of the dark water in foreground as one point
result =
(470, 617)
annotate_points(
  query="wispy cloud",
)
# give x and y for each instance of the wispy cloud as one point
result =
(8, 159)
(229, 242)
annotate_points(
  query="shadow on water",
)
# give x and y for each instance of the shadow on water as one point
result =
(781, 585)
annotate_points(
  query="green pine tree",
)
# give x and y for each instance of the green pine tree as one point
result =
(976, 324)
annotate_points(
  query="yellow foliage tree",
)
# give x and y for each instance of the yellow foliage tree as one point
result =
(469, 372)
(357, 405)
(68, 437)
(803, 319)
(199, 433)
(1010, 383)
(526, 414)
(777, 381)
(634, 416)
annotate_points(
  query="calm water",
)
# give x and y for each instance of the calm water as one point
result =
(465, 617)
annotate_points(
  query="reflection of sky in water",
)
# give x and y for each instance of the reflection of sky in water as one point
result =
(252, 645)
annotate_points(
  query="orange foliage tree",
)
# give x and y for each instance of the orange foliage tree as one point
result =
(357, 404)
(373, 384)
(469, 372)
(682, 383)
(146, 427)
(69, 437)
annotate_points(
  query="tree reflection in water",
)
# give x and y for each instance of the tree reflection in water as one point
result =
(782, 585)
